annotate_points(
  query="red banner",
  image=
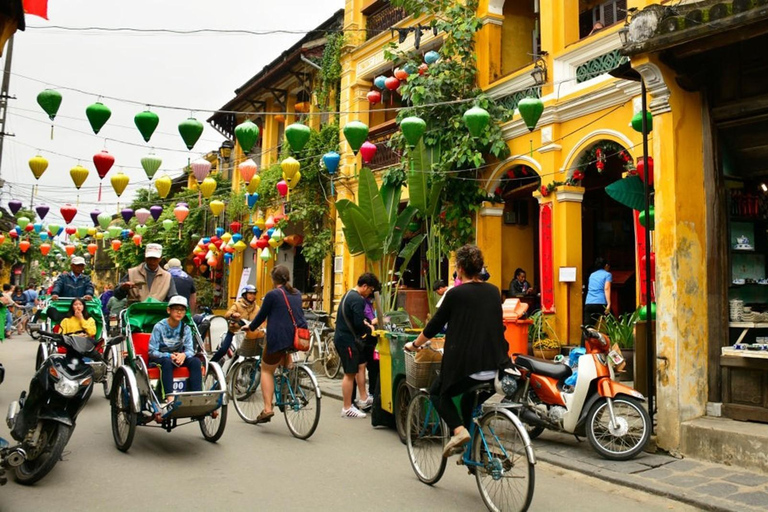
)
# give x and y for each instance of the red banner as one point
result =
(36, 8)
(547, 269)
(640, 244)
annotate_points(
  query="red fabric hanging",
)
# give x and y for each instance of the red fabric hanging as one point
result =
(36, 8)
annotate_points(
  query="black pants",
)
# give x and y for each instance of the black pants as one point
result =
(592, 313)
(372, 367)
(443, 401)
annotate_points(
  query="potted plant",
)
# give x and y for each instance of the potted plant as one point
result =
(621, 331)
(542, 337)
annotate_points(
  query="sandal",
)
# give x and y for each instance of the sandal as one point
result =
(264, 417)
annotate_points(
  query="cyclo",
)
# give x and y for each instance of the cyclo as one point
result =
(135, 397)
(52, 312)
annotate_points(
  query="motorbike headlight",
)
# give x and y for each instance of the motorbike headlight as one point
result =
(66, 387)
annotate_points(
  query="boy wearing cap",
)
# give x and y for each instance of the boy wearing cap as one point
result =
(75, 283)
(171, 346)
(147, 279)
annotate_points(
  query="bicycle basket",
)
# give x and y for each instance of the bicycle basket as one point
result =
(250, 347)
(420, 374)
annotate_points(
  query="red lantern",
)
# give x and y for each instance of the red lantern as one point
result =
(374, 97)
(278, 217)
(13, 234)
(282, 188)
(45, 249)
(92, 248)
(29, 227)
(368, 151)
(70, 250)
(24, 245)
(262, 243)
(392, 83)
(294, 240)
(641, 169)
(235, 227)
(70, 230)
(103, 162)
(423, 69)
(400, 74)
(68, 212)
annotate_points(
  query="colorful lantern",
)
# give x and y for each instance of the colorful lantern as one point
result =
(265, 255)
(151, 163)
(92, 248)
(200, 168)
(240, 246)
(2, 239)
(253, 185)
(208, 187)
(103, 162)
(14, 205)
(431, 57)
(380, 82)
(261, 223)
(168, 224)
(126, 214)
(247, 133)
(392, 83)
(146, 122)
(297, 135)
(38, 227)
(253, 243)
(642, 313)
(423, 69)
(163, 185)
(476, 120)
(413, 129)
(247, 170)
(400, 74)
(137, 239)
(70, 250)
(226, 237)
(95, 216)
(641, 170)
(79, 174)
(294, 240)
(24, 246)
(23, 222)
(92, 231)
(252, 199)
(142, 215)
(530, 110)
(53, 230)
(217, 207)
(651, 215)
(50, 101)
(290, 167)
(68, 212)
(181, 213)
(637, 122)
(141, 229)
(98, 114)
(331, 161)
(42, 210)
(38, 165)
(116, 244)
(368, 151)
(355, 132)
(115, 231)
(282, 188)
(156, 211)
(44, 248)
(190, 131)
(82, 231)
(119, 182)
(374, 97)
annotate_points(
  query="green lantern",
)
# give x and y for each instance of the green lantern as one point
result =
(247, 133)
(642, 313)
(104, 219)
(168, 224)
(114, 231)
(355, 132)
(141, 229)
(651, 216)
(476, 119)
(297, 135)
(50, 101)
(146, 122)
(190, 131)
(530, 110)
(151, 163)
(98, 114)
(23, 222)
(413, 129)
(637, 122)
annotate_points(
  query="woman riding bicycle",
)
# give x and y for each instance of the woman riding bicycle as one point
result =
(475, 348)
(244, 309)
(78, 321)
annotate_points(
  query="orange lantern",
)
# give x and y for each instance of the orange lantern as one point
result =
(24, 245)
(137, 239)
(2, 238)
(45, 249)
(92, 248)
(116, 244)
(70, 250)
(280, 118)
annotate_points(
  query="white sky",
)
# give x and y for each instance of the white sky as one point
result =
(193, 71)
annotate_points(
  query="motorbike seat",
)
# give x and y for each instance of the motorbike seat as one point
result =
(557, 371)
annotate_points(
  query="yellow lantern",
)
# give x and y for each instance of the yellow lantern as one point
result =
(293, 181)
(260, 222)
(79, 175)
(240, 246)
(119, 182)
(290, 167)
(253, 185)
(208, 187)
(38, 165)
(226, 237)
(92, 231)
(163, 186)
(217, 207)
(99, 235)
(273, 243)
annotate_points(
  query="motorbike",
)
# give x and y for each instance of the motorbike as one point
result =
(585, 400)
(42, 420)
(3, 443)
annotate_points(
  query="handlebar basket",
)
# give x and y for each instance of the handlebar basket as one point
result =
(250, 347)
(422, 367)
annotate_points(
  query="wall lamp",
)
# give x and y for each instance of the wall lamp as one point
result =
(539, 72)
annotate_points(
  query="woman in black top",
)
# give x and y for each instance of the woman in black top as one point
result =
(280, 332)
(475, 348)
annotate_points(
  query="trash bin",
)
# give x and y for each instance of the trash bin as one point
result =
(516, 330)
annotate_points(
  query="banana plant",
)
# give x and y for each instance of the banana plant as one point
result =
(374, 227)
(425, 196)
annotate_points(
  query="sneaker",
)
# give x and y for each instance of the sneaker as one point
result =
(366, 404)
(352, 412)
(456, 442)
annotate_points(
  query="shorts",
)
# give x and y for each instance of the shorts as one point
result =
(350, 358)
(274, 358)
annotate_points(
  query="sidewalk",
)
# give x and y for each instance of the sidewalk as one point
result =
(702, 484)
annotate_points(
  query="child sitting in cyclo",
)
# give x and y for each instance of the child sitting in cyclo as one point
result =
(171, 346)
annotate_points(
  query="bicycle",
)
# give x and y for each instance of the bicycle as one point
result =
(499, 452)
(297, 394)
(321, 341)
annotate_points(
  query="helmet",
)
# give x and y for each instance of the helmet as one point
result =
(505, 382)
(249, 288)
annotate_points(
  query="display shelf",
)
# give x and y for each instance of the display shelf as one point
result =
(749, 325)
(746, 250)
(755, 354)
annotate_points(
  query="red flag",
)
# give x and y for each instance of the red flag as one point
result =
(36, 8)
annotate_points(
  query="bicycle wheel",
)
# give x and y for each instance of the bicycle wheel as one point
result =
(332, 361)
(301, 402)
(506, 477)
(212, 425)
(244, 388)
(425, 437)
(123, 417)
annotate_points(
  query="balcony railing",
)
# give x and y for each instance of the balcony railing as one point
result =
(385, 156)
(382, 19)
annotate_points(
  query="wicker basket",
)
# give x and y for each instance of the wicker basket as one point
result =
(250, 348)
(422, 372)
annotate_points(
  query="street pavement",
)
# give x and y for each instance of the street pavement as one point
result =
(345, 465)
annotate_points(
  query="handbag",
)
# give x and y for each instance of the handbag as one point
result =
(300, 334)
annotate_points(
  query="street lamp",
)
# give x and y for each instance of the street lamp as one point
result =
(226, 149)
(539, 72)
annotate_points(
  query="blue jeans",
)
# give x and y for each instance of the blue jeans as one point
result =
(8, 320)
(225, 344)
(195, 382)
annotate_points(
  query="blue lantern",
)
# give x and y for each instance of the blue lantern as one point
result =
(270, 231)
(252, 199)
(60, 231)
(207, 240)
(38, 227)
(219, 232)
(124, 233)
(380, 82)
(228, 258)
(331, 161)
(256, 231)
(43, 236)
(431, 57)
(237, 237)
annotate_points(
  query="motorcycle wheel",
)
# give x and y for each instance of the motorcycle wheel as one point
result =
(626, 440)
(54, 437)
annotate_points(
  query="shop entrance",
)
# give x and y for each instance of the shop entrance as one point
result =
(607, 226)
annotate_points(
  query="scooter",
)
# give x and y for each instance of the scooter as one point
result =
(610, 414)
(43, 420)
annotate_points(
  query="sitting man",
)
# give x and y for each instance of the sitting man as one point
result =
(75, 283)
(171, 346)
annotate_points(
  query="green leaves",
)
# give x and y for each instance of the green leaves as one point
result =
(370, 201)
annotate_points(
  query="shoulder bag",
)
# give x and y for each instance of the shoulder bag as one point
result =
(358, 342)
(300, 334)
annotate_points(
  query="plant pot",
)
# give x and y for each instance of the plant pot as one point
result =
(629, 370)
(546, 353)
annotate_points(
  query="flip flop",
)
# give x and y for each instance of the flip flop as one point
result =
(264, 417)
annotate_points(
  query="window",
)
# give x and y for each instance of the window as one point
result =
(595, 15)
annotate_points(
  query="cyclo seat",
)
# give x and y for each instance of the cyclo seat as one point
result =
(141, 346)
(557, 371)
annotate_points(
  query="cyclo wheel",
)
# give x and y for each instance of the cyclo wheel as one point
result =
(213, 427)
(506, 478)
(301, 402)
(332, 361)
(425, 436)
(54, 438)
(245, 389)
(123, 418)
(109, 376)
(628, 438)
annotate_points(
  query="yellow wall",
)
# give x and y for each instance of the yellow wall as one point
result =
(516, 46)
(518, 254)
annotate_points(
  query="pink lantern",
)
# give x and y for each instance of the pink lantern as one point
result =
(200, 168)
(142, 215)
(282, 188)
(270, 223)
(247, 170)
(368, 150)
(181, 213)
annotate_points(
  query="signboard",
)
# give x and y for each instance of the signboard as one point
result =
(567, 274)
(244, 279)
